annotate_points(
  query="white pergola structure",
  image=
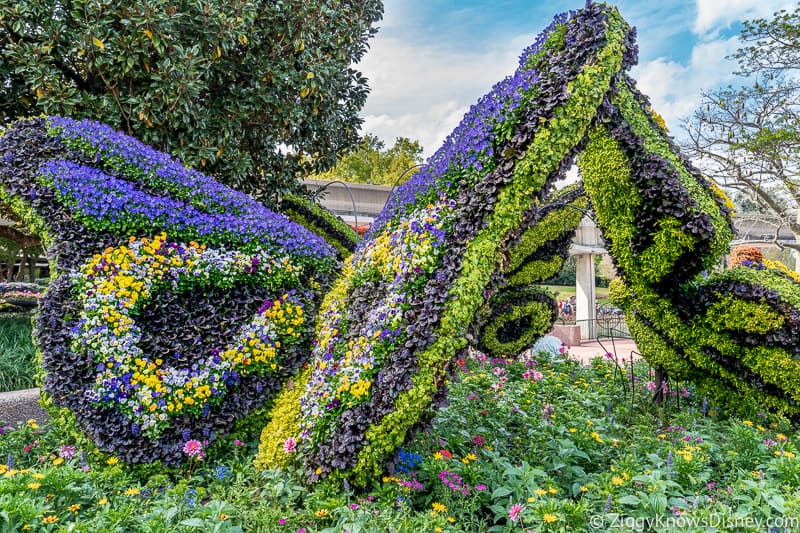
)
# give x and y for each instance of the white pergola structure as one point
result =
(588, 243)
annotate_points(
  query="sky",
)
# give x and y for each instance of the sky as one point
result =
(432, 59)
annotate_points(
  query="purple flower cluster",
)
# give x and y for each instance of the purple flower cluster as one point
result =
(140, 190)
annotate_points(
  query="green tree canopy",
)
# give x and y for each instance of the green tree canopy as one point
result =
(254, 92)
(748, 138)
(372, 162)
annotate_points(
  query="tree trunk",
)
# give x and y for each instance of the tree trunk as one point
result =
(21, 271)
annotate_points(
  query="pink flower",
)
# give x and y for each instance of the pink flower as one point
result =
(67, 452)
(237, 442)
(282, 521)
(289, 445)
(477, 440)
(480, 487)
(651, 386)
(193, 448)
(516, 511)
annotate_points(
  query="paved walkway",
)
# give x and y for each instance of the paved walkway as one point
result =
(590, 349)
(19, 406)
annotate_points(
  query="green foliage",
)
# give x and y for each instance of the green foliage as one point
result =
(222, 86)
(17, 354)
(657, 142)
(319, 220)
(519, 315)
(371, 162)
(725, 347)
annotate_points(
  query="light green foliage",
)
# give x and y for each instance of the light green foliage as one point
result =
(371, 162)
(607, 179)
(655, 141)
(752, 317)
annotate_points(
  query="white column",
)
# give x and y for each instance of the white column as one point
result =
(584, 290)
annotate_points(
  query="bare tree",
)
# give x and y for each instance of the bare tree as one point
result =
(747, 138)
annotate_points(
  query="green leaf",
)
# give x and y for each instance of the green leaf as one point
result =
(193, 522)
(501, 492)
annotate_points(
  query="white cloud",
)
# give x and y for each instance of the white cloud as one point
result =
(422, 92)
(711, 14)
(675, 89)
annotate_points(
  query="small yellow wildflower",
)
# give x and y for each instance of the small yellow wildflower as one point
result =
(57, 461)
(132, 491)
(451, 519)
(74, 508)
(37, 475)
(102, 501)
(549, 518)
(616, 480)
(111, 461)
(34, 486)
(50, 519)
(321, 513)
(552, 490)
(540, 492)
(747, 423)
(223, 517)
(438, 507)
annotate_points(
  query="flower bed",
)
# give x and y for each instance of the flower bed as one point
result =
(179, 305)
(16, 296)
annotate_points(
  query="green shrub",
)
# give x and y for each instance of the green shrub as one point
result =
(18, 365)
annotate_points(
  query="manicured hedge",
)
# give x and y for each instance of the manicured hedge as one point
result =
(517, 311)
(403, 307)
(734, 334)
(178, 305)
(319, 220)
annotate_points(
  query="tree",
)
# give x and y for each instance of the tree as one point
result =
(748, 138)
(372, 162)
(254, 92)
